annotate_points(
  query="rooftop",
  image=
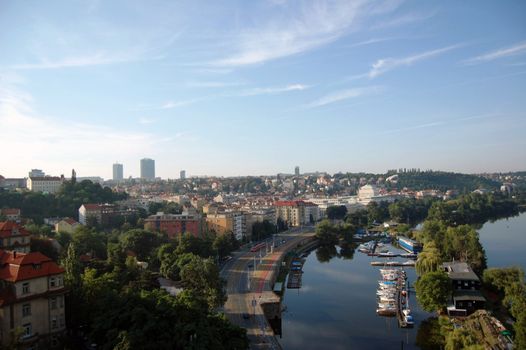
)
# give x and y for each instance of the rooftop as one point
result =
(460, 271)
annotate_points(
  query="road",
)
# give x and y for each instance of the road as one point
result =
(248, 279)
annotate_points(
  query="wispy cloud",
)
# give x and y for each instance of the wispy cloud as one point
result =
(213, 84)
(313, 25)
(146, 121)
(405, 19)
(176, 104)
(273, 90)
(85, 146)
(517, 49)
(78, 61)
(439, 123)
(386, 64)
(344, 95)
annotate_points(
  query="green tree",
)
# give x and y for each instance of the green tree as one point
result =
(141, 242)
(429, 259)
(201, 276)
(433, 291)
(326, 233)
(336, 212)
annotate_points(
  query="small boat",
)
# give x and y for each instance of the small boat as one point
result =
(387, 299)
(408, 263)
(386, 312)
(408, 318)
(387, 283)
(387, 254)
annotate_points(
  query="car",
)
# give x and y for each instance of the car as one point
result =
(246, 316)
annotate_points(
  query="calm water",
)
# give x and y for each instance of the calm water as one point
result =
(336, 306)
(505, 242)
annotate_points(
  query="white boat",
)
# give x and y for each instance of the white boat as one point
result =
(409, 263)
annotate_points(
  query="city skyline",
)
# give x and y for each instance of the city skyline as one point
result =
(256, 88)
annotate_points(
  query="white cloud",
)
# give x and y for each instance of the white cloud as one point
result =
(146, 121)
(274, 90)
(517, 49)
(77, 61)
(344, 95)
(50, 143)
(440, 123)
(213, 84)
(313, 25)
(386, 64)
(405, 19)
(175, 104)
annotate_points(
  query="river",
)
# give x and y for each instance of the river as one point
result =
(336, 306)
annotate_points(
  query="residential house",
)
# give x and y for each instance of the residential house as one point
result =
(14, 237)
(11, 214)
(67, 225)
(31, 299)
(466, 296)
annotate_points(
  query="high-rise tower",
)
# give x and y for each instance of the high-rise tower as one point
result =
(117, 172)
(147, 168)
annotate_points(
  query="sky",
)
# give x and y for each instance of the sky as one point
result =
(232, 88)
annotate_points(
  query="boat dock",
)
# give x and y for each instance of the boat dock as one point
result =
(295, 274)
(409, 263)
(393, 297)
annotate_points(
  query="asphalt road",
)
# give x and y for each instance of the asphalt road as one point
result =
(245, 287)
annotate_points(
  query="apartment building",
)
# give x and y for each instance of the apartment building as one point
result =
(175, 225)
(32, 299)
(14, 237)
(102, 213)
(297, 213)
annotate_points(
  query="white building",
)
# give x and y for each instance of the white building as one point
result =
(47, 184)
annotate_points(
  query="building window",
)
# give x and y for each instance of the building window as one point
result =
(60, 281)
(25, 288)
(52, 282)
(26, 310)
(53, 303)
(27, 330)
(62, 322)
(61, 301)
(54, 323)
(54, 340)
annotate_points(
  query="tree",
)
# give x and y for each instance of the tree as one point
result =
(462, 338)
(429, 259)
(141, 242)
(201, 276)
(336, 212)
(223, 245)
(433, 290)
(89, 241)
(44, 246)
(326, 233)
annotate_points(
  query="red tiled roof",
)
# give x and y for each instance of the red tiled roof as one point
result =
(15, 266)
(91, 206)
(292, 203)
(10, 211)
(6, 229)
(70, 221)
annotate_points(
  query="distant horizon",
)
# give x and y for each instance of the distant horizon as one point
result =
(67, 174)
(257, 87)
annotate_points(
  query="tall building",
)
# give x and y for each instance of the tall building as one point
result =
(182, 174)
(117, 172)
(36, 173)
(297, 171)
(147, 168)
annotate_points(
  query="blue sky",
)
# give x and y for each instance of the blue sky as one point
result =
(258, 87)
